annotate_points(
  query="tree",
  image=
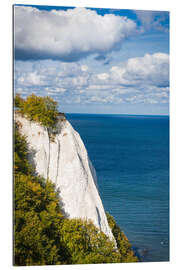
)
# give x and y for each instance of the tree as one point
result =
(123, 244)
(37, 222)
(21, 163)
(40, 109)
(18, 101)
(87, 244)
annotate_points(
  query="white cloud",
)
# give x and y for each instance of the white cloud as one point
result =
(150, 70)
(84, 68)
(103, 76)
(67, 35)
(55, 90)
(32, 78)
(80, 81)
(138, 80)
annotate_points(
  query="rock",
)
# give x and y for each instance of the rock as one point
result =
(64, 160)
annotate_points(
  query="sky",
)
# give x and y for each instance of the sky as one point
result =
(93, 60)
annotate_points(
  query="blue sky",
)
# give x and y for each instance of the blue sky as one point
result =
(93, 60)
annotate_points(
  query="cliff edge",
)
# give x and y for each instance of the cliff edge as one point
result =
(61, 156)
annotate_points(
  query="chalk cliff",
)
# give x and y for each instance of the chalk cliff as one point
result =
(62, 157)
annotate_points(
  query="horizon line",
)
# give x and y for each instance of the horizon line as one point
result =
(124, 114)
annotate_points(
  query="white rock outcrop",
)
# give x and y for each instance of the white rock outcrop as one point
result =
(64, 160)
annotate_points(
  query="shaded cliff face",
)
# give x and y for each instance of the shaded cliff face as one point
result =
(62, 157)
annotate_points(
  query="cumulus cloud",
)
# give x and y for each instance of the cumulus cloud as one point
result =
(148, 70)
(32, 78)
(138, 80)
(67, 35)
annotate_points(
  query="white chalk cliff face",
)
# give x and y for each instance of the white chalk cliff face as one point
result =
(64, 160)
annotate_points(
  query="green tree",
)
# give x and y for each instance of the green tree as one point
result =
(21, 163)
(18, 101)
(86, 244)
(123, 244)
(41, 109)
(37, 222)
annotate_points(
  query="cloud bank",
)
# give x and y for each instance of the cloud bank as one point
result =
(68, 35)
(138, 80)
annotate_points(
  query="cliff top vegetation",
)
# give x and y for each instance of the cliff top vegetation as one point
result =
(40, 109)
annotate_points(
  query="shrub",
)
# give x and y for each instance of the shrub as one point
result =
(18, 102)
(41, 109)
(21, 163)
(123, 244)
(86, 244)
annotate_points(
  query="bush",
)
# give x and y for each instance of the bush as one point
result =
(21, 163)
(123, 244)
(37, 221)
(18, 102)
(86, 244)
(41, 109)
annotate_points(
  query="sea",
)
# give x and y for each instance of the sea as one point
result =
(131, 156)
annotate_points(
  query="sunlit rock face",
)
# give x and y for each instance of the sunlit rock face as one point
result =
(62, 157)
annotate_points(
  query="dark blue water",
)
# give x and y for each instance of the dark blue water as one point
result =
(131, 158)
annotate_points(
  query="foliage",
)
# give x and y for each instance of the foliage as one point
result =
(43, 235)
(41, 109)
(18, 101)
(123, 244)
(87, 244)
(21, 163)
(37, 214)
(37, 219)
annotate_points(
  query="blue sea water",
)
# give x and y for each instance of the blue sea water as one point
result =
(131, 158)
